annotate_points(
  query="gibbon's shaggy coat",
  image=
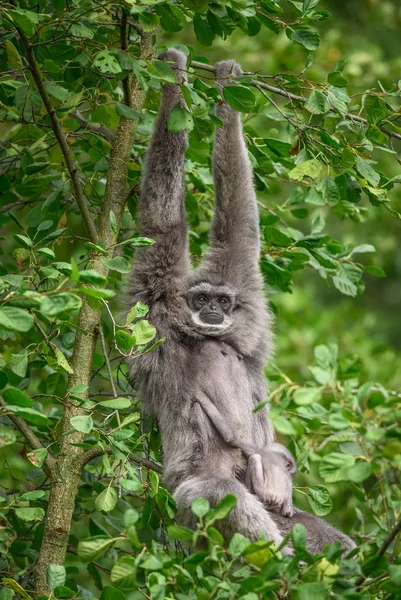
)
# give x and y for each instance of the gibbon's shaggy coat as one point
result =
(215, 321)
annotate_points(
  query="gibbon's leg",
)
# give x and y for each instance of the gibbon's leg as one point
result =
(248, 517)
(160, 270)
(318, 532)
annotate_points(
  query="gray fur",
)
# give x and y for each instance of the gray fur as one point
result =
(223, 363)
(269, 470)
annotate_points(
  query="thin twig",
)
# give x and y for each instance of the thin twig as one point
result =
(390, 538)
(56, 126)
(96, 129)
(139, 460)
(107, 361)
(29, 435)
(290, 96)
(395, 531)
(44, 335)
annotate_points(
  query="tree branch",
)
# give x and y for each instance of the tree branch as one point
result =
(29, 435)
(96, 129)
(295, 97)
(391, 536)
(139, 460)
(69, 160)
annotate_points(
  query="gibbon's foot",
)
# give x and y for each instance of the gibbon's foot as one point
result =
(226, 70)
(179, 61)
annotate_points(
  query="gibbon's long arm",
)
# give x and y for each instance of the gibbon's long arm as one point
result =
(235, 228)
(160, 269)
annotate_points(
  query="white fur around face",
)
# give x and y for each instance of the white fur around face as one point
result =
(210, 329)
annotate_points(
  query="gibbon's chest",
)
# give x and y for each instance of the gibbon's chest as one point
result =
(223, 375)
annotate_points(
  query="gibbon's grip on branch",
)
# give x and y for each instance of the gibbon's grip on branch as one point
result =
(215, 321)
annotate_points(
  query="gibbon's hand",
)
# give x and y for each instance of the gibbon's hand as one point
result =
(225, 71)
(179, 61)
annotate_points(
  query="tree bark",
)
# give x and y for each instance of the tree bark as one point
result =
(69, 463)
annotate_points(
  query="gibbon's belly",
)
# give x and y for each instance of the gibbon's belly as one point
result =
(224, 377)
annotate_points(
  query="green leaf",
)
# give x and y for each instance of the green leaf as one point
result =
(224, 507)
(307, 38)
(56, 304)
(24, 240)
(46, 252)
(94, 547)
(359, 472)
(139, 242)
(55, 576)
(123, 572)
(204, 33)
(132, 485)
(106, 500)
(278, 147)
(345, 286)
(61, 360)
(306, 396)
(337, 79)
(31, 496)
(365, 168)
(148, 21)
(29, 414)
(106, 62)
(37, 457)
(177, 532)
(151, 564)
(19, 363)
(200, 507)
(334, 467)
(239, 97)
(276, 237)
(30, 514)
(317, 590)
(180, 119)
(14, 396)
(116, 403)
(317, 103)
(329, 190)
(375, 271)
(309, 168)
(363, 249)
(25, 19)
(319, 500)
(82, 423)
(91, 276)
(298, 535)
(136, 312)
(127, 113)
(15, 319)
(98, 292)
(124, 340)
(143, 332)
(96, 248)
(13, 57)
(238, 544)
(8, 436)
(119, 264)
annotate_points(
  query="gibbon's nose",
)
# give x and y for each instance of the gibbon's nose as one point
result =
(213, 306)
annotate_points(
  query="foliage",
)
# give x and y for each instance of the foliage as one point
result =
(79, 90)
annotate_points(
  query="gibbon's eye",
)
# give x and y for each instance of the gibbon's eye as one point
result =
(223, 301)
(202, 299)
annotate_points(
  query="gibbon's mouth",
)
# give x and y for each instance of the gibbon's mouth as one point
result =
(212, 318)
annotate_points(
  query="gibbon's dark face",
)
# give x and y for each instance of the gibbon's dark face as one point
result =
(211, 306)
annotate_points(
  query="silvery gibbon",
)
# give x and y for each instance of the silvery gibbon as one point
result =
(217, 329)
